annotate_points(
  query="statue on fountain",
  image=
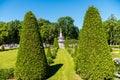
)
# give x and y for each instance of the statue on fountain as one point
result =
(61, 40)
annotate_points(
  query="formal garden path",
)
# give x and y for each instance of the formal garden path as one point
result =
(65, 63)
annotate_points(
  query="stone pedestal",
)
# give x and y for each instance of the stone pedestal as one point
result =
(61, 40)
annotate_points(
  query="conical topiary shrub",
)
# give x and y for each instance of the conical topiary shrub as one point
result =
(66, 43)
(31, 61)
(3, 48)
(49, 56)
(75, 52)
(55, 43)
(93, 60)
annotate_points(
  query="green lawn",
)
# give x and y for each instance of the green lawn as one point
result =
(63, 67)
(8, 58)
(116, 53)
(66, 70)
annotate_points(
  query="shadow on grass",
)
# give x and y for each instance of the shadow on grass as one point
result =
(53, 69)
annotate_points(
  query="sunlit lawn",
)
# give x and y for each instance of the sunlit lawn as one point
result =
(8, 58)
(116, 53)
(66, 71)
(63, 62)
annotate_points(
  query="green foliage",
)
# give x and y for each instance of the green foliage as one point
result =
(55, 48)
(31, 61)
(70, 51)
(49, 52)
(3, 48)
(13, 32)
(49, 56)
(93, 60)
(54, 52)
(68, 28)
(42, 22)
(75, 52)
(49, 60)
(3, 31)
(9, 32)
(72, 41)
(55, 44)
(48, 30)
(112, 28)
(66, 43)
(6, 74)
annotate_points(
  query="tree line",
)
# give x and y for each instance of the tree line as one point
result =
(112, 28)
(10, 31)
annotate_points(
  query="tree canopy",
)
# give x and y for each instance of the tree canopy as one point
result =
(68, 27)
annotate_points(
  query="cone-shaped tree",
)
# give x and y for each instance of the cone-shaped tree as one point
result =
(75, 52)
(94, 61)
(49, 54)
(66, 43)
(55, 44)
(31, 60)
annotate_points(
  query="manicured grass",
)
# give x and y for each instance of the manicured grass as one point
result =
(66, 70)
(116, 53)
(8, 59)
(63, 67)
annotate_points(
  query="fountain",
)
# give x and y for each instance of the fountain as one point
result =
(61, 40)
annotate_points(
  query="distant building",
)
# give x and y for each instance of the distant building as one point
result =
(61, 40)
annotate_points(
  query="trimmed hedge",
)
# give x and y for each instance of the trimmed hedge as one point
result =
(49, 56)
(93, 60)
(31, 61)
(6, 74)
(55, 43)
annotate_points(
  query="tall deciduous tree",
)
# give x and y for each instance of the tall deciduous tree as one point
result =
(94, 61)
(3, 31)
(31, 61)
(48, 31)
(68, 28)
(110, 26)
(13, 32)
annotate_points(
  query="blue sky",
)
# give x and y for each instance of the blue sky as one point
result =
(54, 9)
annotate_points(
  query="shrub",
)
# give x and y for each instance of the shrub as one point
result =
(75, 51)
(54, 52)
(70, 51)
(31, 61)
(55, 44)
(66, 43)
(93, 60)
(49, 56)
(49, 60)
(3, 48)
(6, 74)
